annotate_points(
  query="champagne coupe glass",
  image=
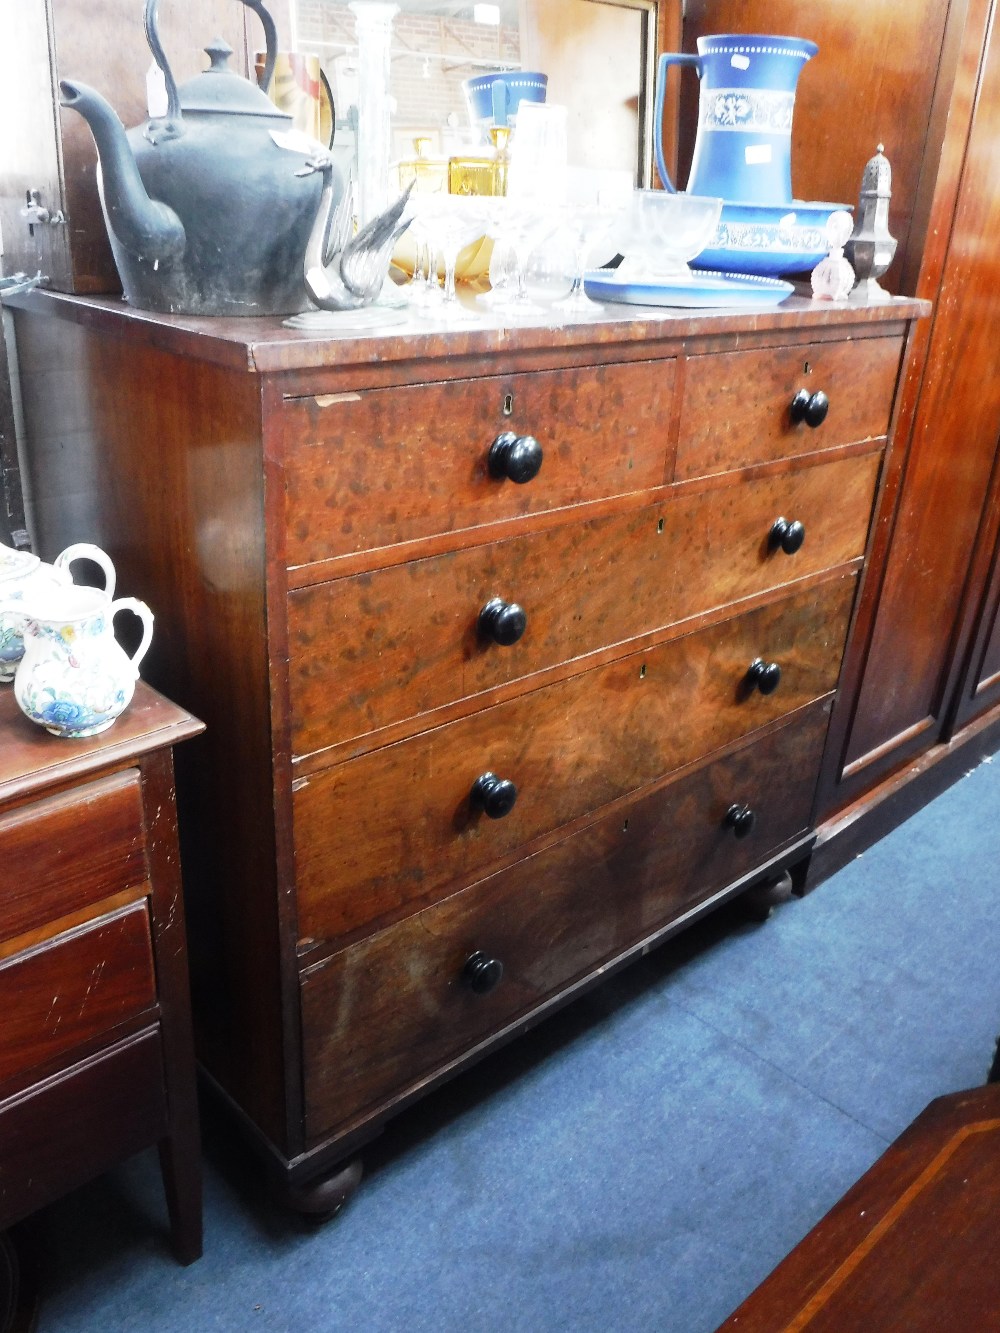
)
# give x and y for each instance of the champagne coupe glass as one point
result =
(423, 290)
(458, 220)
(587, 226)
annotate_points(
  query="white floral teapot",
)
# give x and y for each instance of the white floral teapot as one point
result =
(75, 678)
(25, 575)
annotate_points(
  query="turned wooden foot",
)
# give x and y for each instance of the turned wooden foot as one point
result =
(323, 1197)
(760, 901)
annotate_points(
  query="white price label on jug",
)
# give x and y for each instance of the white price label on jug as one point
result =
(757, 154)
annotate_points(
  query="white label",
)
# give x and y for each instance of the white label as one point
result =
(740, 62)
(757, 154)
(156, 92)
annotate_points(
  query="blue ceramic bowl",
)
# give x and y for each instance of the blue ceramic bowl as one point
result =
(768, 240)
(494, 98)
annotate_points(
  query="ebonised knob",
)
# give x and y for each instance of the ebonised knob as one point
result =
(517, 458)
(741, 819)
(763, 676)
(809, 407)
(786, 535)
(494, 796)
(503, 622)
(482, 973)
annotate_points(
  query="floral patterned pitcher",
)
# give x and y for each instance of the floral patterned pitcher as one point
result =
(24, 575)
(75, 678)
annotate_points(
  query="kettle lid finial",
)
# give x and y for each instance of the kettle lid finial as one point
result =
(218, 51)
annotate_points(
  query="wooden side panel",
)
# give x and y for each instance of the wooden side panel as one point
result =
(380, 833)
(735, 408)
(954, 443)
(66, 852)
(61, 995)
(398, 642)
(381, 466)
(392, 1009)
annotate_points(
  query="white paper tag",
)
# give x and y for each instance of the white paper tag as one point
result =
(740, 62)
(156, 92)
(757, 154)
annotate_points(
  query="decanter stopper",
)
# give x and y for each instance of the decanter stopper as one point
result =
(871, 249)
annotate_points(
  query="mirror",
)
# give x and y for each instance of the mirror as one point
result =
(599, 56)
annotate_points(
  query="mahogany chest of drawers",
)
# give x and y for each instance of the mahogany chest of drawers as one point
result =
(96, 1054)
(517, 650)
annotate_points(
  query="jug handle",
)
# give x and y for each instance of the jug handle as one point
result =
(87, 551)
(173, 115)
(667, 59)
(145, 615)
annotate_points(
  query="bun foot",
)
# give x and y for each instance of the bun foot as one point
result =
(759, 902)
(322, 1198)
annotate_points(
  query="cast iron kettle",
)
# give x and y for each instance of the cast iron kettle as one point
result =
(204, 210)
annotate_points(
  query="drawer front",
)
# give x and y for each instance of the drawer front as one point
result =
(389, 1011)
(389, 465)
(63, 853)
(69, 991)
(373, 649)
(736, 406)
(76, 1124)
(377, 833)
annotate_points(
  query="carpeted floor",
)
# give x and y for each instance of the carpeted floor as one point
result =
(639, 1162)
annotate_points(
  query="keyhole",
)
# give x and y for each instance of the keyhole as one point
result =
(659, 525)
(508, 405)
(642, 671)
(807, 368)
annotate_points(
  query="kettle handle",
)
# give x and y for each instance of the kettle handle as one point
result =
(141, 610)
(666, 60)
(156, 47)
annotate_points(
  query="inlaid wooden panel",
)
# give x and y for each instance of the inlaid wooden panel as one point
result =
(62, 994)
(383, 831)
(735, 407)
(369, 650)
(390, 1010)
(370, 469)
(65, 852)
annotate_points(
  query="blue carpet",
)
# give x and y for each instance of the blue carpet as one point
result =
(639, 1162)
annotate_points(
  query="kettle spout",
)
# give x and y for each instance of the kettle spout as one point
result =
(144, 227)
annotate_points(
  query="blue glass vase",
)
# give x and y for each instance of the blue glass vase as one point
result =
(742, 150)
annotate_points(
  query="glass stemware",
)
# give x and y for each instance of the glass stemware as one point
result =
(587, 226)
(455, 221)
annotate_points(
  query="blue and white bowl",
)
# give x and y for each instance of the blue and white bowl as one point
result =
(768, 241)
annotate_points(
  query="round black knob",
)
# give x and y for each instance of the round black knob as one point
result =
(503, 622)
(763, 676)
(786, 535)
(495, 796)
(482, 973)
(809, 407)
(741, 819)
(517, 458)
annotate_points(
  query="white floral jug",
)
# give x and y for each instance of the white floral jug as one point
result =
(24, 575)
(75, 678)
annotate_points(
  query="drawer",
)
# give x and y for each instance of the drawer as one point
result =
(376, 648)
(735, 407)
(380, 832)
(63, 853)
(391, 1010)
(385, 466)
(74, 1125)
(62, 994)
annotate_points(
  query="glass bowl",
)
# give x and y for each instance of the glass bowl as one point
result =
(659, 232)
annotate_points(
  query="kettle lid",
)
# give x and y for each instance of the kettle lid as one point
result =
(220, 89)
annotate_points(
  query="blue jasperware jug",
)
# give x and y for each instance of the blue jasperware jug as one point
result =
(742, 150)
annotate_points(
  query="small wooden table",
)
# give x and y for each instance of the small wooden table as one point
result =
(913, 1246)
(96, 1054)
